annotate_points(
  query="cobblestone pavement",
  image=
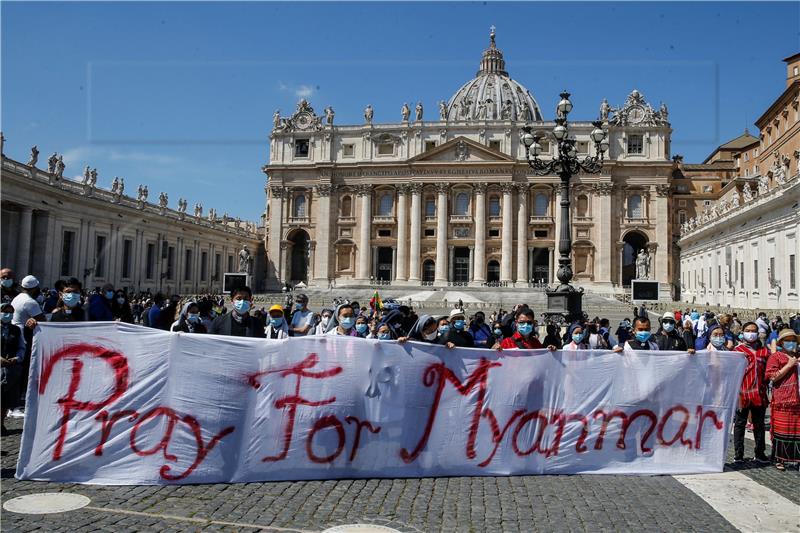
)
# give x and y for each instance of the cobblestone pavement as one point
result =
(507, 504)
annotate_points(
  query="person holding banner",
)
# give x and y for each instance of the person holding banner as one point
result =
(782, 371)
(69, 308)
(641, 337)
(456, 334)
(577, 338)
(189, 320)
(276, 326)
(238, 323)
(343, 321)
(752, 395)
(668, 338)
(425, 329)
(717, 340)
(523, 338)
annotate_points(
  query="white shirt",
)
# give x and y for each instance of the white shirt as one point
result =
(25, 307)
(301, 319)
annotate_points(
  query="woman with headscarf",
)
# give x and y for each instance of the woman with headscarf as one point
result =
(343, 321)
(362, 326)
(324, 320)
(752, 395)
(717, 341)
(782, 371)
(577, 336)
(425, 329)
(189, 319)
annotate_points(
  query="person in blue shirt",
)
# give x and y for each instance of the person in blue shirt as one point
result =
(100, 304)
(154, 314)
(481, 333)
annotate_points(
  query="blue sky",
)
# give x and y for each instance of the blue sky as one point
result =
(180, 95)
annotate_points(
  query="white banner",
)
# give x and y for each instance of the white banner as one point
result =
(117, 404)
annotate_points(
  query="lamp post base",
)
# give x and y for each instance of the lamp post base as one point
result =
(565, 304)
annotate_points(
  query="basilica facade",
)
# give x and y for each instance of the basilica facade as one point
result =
(450, 200)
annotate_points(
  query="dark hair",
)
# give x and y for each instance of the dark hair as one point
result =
(243, 290)
(158, 298)
(527, 311)
(59, 285)
(6, 304)
(343, 306)
(640, 320)
(74, 283)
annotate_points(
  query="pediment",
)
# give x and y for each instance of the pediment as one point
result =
(460, 150)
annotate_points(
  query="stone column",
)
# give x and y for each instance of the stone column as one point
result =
(23, 266)
(479, 257)
(471, 276)
(416, 224)
(660, 263)
(323, 239)
(393, 277)
(364, 227)
(507, 233)
(274, 259)
(450, 263)
(286, 252)
(522, 234)
(400, 272)
(441, 234)
(602, 266)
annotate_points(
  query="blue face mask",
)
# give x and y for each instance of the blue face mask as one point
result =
(7, 283)
(498, 332)
(193, 317)
(444, 329)
(459, 325)
(347, 322)
(361, 328)
(70, 299)
(577, 337)
(525, 329)
(276, 322)
(384, 336)
(717, 341)
(109, 295)
(789, 346)
(6, 317)
(695, 315)
(668, 326)
(642, 336)
(241, 306)
(298, 306)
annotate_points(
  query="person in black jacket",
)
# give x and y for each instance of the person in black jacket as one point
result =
(239, 323)
(668, 338)
(69, 308)
(457, 335)
(13, 355)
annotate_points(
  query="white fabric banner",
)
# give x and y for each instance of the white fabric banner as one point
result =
(112, 403)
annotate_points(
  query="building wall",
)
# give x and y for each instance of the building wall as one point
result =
(107, 237)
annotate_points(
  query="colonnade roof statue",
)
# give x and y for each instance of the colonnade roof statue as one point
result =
(492, 94)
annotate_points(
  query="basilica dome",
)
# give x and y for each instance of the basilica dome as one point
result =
(492, 94)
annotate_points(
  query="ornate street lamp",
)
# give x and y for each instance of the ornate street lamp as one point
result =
(564, 302)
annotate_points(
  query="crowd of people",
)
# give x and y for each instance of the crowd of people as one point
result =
(770, 347)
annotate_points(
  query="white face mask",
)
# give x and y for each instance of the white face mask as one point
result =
(325, 320)
(430, 336)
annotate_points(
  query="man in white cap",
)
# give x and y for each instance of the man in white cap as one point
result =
(457, 335)
(27, 311)
(668, 338)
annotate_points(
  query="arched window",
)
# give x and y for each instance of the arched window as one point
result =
(386, 204)
(299, 206)
(494, 206)
(347, 206)
(462, 204)
(635, 206)
(540, 204)
(493, 271)
(583, 205)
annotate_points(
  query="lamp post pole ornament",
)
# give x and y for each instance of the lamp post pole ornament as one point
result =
(564, 302)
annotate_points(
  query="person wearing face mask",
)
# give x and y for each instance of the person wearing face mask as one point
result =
(302, 317)
(752, 395)
(457, 334)
(641, 339)
(362, 326)
(782, 371)
(442, 328)
(480, 331)
(343, 322)
(523, 338)
(100, 304)
(668, 338)
(13, 355)
(324, 320)
(69, 308)
(383, 333)
(238, 323)
(170, 312)
(277, 328)
(8, 285)
(425, 329)
(623, 332)
(54, 295)
(552, 337)
(121, 308)
(577, 338)
(716, 339)
(189, 320)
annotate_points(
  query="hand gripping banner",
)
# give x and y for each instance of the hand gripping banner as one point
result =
(111, 403)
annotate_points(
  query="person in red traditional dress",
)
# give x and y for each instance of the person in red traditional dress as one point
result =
(782, 370)
(752, 395)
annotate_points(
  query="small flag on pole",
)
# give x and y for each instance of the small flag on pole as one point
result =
(375, 302)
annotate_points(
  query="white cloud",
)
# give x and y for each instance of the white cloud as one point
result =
(300, 91)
